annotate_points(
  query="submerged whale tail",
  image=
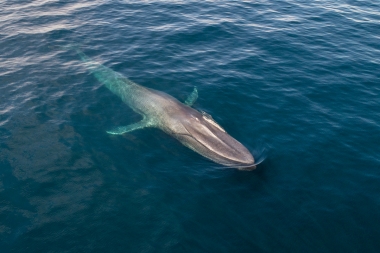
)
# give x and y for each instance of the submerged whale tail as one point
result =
(76, 48)
(114, 81)
(68, 47)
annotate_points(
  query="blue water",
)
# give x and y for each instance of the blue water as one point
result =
(296, 81)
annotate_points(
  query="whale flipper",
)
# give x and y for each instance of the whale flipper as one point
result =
(125, 129)
(192, 97)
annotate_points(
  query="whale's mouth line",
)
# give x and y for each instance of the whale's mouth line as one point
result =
(241, 167)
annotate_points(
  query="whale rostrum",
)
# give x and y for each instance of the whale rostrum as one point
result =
(196, 130)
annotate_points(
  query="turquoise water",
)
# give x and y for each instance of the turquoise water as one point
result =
(297, 82)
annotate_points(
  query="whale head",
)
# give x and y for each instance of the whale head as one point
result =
(201, 133)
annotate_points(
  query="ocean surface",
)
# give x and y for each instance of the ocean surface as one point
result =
(297, 82)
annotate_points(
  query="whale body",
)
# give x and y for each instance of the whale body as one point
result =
(194, 129)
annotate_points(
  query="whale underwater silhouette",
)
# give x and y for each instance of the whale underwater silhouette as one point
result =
(196, 130)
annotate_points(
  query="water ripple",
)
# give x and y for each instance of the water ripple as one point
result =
(297, 77)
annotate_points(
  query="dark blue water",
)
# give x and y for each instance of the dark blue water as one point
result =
(297, 82)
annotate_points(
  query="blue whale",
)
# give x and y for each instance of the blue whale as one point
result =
(194, 129)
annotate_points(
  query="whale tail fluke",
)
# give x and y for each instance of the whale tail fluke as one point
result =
(67, 47)
(76, 48)
(73, 47)
(114, 81)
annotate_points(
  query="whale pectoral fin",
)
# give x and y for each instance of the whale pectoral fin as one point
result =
(129, 128)
(192, 97)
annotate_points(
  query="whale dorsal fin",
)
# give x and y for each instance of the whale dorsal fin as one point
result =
(125, 129)
(192, 97)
